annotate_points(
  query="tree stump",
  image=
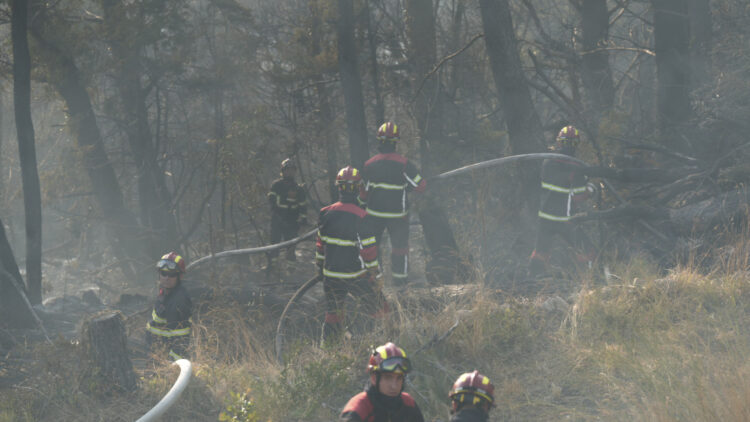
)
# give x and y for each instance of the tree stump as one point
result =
(105, 346)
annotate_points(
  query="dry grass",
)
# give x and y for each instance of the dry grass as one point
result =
(644, 347)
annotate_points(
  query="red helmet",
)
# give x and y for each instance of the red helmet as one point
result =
(568, 135)
(171, 262)
(388, 131)
(389, 358)
(348, 179)
(472, 386)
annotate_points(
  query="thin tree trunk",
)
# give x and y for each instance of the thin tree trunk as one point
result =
(701, 41)
(420, 30)
(153, 196)
(12, 308)
(32, 197)
(521, 119)
(595, 72)
(671, 45)
(120, 224)
(351, 83)
(372, 44)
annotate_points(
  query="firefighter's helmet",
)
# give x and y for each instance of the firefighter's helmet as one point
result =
(389, 358)
(287, 164)
(348, 179)
(171, 263)
(388, 131)
(568, 136)
(472, 388)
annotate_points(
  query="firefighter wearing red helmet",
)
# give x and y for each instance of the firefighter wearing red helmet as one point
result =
(170, 326)
(564, 189)
(384, 399)
(288, 212)
(472, 397)
(347, 255)
(388, 177)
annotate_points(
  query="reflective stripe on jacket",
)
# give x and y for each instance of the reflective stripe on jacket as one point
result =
(287, 199)
(387, 178)
(563, 185)
(345, 243)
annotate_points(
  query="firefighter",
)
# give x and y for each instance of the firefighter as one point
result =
(347, 255)
(472, 397)
(564, 188)
(384, 398)
(169, 327)
(388, 176)
(288, 213)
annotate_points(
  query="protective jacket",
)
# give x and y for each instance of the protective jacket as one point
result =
(469, 415)
(170, 322)
(563, 187)
(345, 245)
(369, 406)
(387, 178)
(288, 200)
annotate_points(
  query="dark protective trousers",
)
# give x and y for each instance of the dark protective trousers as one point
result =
(282, 230)
(398, 231)
(571, 233)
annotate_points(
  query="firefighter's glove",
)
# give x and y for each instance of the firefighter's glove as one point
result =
(592, 189)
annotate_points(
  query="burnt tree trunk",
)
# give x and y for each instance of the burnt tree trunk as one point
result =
(32, 196)
(671, 45)
(701, 41)
(595, 72)
(120, 224)
(351, 83)
(105, 346)
(13, 310)
(154, 198)
(444, 263)
(521, 118)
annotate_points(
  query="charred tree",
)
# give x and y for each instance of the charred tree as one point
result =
(104, 345)
(12, 308)
(120, 224)
(154, 198)
(521, 119)
(32, 196)
(671, 46)
(351, 83)
(595, 71)
(701, 41)
(444, 264)
(422, 51)
(372, 44)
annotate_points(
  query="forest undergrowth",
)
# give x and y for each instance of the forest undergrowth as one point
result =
(643, 345)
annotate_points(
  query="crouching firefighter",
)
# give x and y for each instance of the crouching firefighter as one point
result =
(169, 328)
(564, 189)
(384, 399)
(472, 397)
(347, 255)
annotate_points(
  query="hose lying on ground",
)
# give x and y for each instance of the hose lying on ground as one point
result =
(280, 328)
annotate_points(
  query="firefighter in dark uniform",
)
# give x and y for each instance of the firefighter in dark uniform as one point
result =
(169, 327)
(347, 255)
(564, 188)
(472, 397)
(384, 399)
(288, 213)
(388, 176)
